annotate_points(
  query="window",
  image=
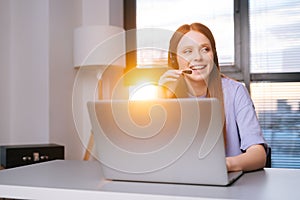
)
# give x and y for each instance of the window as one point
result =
(278, 108)
(275, 36)
(275, 46)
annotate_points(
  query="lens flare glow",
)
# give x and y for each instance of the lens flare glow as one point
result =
(143, 92)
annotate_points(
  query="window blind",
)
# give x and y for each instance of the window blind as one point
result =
(275, 35)
(275, 48)
(278, 109)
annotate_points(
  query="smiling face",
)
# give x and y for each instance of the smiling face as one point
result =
(194, 51)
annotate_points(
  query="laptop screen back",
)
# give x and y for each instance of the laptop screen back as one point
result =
(155, 140)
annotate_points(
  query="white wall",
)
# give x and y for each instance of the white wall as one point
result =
(37, 74)
(29, 61)
(5, 86)
(64, 17)
(25, 78)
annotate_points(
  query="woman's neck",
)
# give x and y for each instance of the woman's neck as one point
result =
(196, 88)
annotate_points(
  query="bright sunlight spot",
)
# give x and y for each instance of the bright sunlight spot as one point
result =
(143, 92)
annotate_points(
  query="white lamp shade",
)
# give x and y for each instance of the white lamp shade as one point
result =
(99, 45)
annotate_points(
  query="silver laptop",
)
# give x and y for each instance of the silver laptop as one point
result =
(162, 140)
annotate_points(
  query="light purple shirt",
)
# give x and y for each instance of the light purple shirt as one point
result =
(242, 126)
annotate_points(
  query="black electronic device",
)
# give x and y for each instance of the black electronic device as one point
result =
(20, 155)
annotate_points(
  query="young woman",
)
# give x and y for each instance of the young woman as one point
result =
(196, 74)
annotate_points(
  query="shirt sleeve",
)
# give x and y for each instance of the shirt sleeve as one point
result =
(247, 122)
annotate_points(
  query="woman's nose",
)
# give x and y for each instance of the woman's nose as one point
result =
(197, 55)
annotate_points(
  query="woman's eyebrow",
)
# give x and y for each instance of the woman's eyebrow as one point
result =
(205, 45)
(191, 46)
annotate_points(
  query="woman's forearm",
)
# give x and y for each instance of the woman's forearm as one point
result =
(254, 158)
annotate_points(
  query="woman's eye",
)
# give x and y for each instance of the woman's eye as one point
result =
(205, 49)
(187, 51)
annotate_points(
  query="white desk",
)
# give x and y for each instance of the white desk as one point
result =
(64, 179)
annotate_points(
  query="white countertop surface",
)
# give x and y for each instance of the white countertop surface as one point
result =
(66, 179)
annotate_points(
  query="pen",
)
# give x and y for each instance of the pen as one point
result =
(187, 71)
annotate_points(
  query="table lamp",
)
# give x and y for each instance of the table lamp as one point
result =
(96, 48)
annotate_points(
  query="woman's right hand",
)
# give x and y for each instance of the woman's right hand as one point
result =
(169, 80)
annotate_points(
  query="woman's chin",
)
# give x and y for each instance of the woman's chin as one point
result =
(198, 77)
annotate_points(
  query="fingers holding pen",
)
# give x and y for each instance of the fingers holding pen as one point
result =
(169, 81)
(173, 73)
(169, 76)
